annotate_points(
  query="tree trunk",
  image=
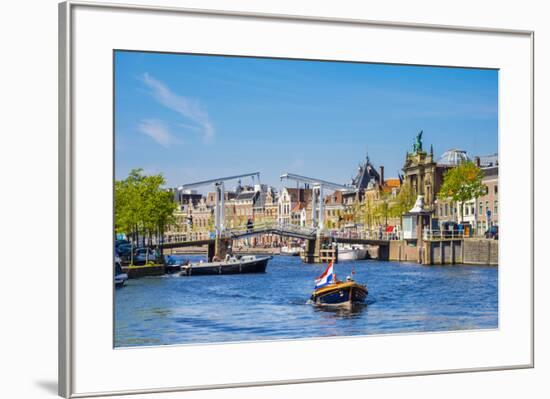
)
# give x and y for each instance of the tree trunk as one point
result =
(162, 242)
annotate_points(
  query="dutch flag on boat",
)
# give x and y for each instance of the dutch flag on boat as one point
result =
(326, 278)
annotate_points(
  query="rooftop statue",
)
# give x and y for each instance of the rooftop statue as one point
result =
(417, 145)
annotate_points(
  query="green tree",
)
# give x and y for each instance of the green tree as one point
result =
(128, 209)
(368, 212)
(382, 209)
(404, 201)
(462, 183)
(143, 209)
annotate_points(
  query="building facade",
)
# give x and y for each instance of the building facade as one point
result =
(287, 201)
(424, 175)
(480, 213)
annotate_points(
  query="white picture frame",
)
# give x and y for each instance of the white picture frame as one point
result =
(85, 87)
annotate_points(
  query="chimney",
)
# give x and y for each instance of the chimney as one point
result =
(381, 175)
(477, 161)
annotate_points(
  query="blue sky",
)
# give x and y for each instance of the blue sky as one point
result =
(194, 117)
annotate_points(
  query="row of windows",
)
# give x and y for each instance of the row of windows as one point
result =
(495, 189)
(483, 210)
(284, 209)
(446, 209)
(483, 225)
(244, 212)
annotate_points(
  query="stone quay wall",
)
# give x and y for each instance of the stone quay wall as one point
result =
(401, 251)
(475, 251)
(481, 251)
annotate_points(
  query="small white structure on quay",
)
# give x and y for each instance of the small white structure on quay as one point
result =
(414, 218)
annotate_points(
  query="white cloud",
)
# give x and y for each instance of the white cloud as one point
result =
(157, 131)
(189, 108)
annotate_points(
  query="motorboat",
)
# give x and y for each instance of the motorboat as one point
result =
(331, 292)
(341, 293)
(290, 251)
(173, 264)
(231, 265)
(346, 253)
(120, 276)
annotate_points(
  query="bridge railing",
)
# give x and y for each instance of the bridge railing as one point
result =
(295, 228)
(244, 230)
(429, 234)
(366, 235)
(175, 238)
(264, 226)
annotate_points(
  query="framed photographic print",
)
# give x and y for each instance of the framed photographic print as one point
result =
(238, 190)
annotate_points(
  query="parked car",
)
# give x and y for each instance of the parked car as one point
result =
(143, 255)
(124, 249)
(121, 242)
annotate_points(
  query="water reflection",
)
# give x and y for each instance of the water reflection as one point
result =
(342, 311)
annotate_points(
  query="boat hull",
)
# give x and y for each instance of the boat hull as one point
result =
(351, 254)
(170, 269)
(340, 294)
(289, 251)
(294, 253)
(255, 266)
(120, 279)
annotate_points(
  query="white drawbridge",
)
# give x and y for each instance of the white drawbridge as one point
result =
(317, 195)
(219, 186)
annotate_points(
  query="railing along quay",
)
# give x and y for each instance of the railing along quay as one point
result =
(430, 235)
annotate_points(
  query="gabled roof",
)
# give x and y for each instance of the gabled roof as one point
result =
(393, 182)
(298, 207)
(366, 173)
(334, 199)
(246, 195)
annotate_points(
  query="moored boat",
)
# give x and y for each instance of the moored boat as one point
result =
(120, 276)
(351, 253)
(290, 251)
(174, 264)
(233, 265)
(331, 292)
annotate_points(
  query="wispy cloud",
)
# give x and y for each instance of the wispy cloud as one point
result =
(189, 108)
(158, 131)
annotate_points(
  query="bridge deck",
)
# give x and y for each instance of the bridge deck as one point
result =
(291, 231)
(270, 230)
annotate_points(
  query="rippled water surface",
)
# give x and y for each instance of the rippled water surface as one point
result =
(402, 298)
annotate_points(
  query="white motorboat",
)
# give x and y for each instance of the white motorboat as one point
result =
(120, 276)
(290, 251)
(346, 253)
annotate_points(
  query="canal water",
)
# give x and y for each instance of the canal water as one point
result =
(403, 297)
